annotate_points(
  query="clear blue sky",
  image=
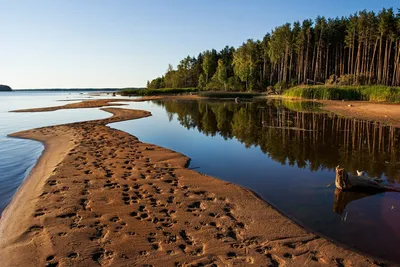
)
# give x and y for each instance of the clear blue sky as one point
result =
(121, 43)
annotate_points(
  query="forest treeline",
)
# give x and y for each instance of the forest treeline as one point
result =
(362, 49)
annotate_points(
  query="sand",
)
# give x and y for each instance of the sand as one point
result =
(382, 112)
(97, 103)
(100, 197)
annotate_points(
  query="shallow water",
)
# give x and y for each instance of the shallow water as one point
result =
(18, 156)
(288, 157)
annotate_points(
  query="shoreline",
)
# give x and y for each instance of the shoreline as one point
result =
(213, 221)
(55, 149)
(383, 112)
(388, 113)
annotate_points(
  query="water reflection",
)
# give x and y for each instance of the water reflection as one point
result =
(343, 198)
(297, 137)
(287, 153)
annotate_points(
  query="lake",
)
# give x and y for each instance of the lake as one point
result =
(285, 152)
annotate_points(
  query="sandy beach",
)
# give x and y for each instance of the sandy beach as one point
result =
(382, 112)
(100, 197)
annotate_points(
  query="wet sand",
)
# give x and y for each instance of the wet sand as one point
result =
(100, 197)
(97, 103)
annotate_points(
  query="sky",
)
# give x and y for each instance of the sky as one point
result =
(124, 43)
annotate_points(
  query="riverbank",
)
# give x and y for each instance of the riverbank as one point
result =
(382, 112)
(111, 200)
(387, 113)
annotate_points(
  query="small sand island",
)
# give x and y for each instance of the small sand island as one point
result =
(5, 88)
(100, 197)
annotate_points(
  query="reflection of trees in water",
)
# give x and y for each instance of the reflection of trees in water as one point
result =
(305, 139)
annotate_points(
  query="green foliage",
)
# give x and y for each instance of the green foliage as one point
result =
(150, 92)
(347, 79)
(202, 81)
(5, 87)
(222, 73)
(381, 93)
(234, 84)
(245, 63)
(361, 49)
(207, 65)
(214, 85)
(370, 93)
(229, 94)
(156, 83)
(279, 86)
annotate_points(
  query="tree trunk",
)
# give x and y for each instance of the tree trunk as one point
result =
(285, 68)
(379, 76)
(357, 71)
(264, 75)
(327, 63)
(396, 72)
(317, 66)
(313, 62)
(290, 66)
(372, 69)
(388, 63)
(352, 55)
(341, 60)
(305, 75)
(385, 63)
(349, 62)
(300, 61)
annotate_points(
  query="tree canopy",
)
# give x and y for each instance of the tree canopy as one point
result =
(361, 49)
(5, 87)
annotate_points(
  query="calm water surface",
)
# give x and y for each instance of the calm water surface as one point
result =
(288, 157)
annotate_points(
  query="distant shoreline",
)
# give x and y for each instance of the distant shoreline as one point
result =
(70, 89)
(5, 88)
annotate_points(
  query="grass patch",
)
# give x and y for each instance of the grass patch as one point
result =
(382, 93)
(369, 93)
(162, 91)
(224, 94)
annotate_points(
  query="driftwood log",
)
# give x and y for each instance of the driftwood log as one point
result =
(346, 181)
